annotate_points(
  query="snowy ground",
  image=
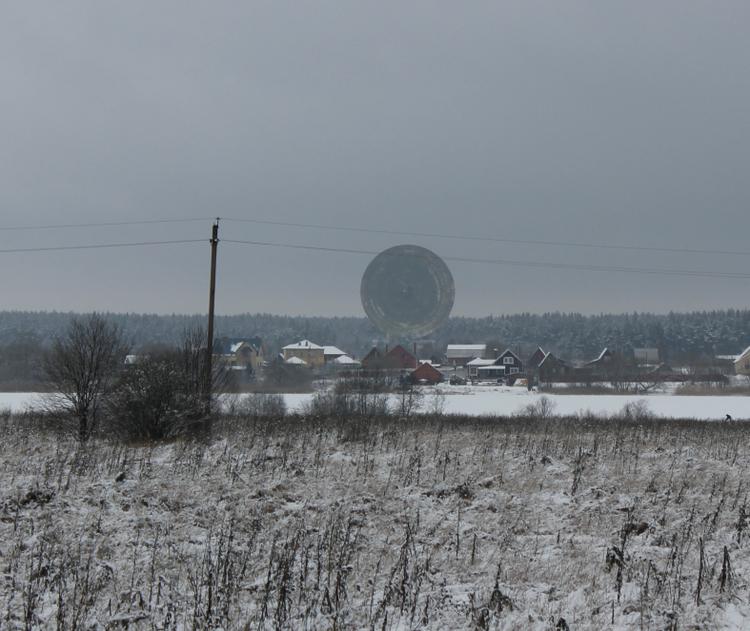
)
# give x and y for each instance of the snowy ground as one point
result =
(430, 524)
(498, 400)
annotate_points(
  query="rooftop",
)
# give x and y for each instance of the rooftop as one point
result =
(345, 359)
(480, 362)
(303, 345)
(465, 350)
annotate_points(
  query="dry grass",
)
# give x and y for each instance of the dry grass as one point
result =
(324, 523)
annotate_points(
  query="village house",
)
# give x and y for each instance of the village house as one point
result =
(536, 358)
(426, 373)
(343, 362)
(373, 359)
(330, 353)
(646, 356)
(240, 353)
(296, 361)
(472, 367)
(553, 369)
(600, 367)
(462, 354)
(507, 365)
(742, 363)
(397, 358)
(312, 354)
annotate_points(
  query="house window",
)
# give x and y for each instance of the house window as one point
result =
(508, 360)
(513, 371)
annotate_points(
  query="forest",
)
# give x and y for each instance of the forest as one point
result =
(24, 335)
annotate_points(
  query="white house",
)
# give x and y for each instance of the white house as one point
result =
(295, 361)
(330, 353)
(344, 361)
(475, 364)
(312, 354)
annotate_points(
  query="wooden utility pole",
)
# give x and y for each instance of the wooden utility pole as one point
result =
(210, 328)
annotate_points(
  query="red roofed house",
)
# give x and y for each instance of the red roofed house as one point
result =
(373, 359)
(399, 357)
(426, 373)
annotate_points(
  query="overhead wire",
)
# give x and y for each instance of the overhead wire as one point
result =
(513, 262)
(489, 239)
(98, 246)
(102, 224)
(476, 260)
(366, 230)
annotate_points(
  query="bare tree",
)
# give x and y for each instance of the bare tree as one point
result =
(409, 399)
(191, 363)
(80, 368)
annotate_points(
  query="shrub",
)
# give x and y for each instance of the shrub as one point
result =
(259, 405)
(637, 411)
(343, 404)
(542, 409)
(150, 402)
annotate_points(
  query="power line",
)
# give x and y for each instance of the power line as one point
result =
(516, 263)
(571, 244)
(102, 224)
(459, 259)
(433, 235)
(98, 246)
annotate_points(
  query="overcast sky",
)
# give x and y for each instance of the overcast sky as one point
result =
(600, 122)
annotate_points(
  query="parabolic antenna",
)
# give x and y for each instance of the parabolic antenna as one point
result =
(407, 291)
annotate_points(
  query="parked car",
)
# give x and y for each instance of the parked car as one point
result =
(455, 380)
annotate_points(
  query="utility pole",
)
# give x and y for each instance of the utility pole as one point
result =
(210, 328)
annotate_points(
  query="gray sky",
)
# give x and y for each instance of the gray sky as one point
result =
(617, 122)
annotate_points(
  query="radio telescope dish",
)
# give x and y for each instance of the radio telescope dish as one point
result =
(407, 291)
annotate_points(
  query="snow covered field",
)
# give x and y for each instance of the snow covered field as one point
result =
(500, 400)
(430, 524)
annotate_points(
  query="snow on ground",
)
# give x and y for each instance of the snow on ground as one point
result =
(334, 524)
(508, 400)
(498, 400)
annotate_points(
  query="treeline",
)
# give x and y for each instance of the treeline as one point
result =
(571, 336)
(575, 336)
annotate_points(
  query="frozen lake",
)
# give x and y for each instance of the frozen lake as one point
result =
(503, 400)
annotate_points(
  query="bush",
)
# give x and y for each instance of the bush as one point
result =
(542, 410)
(289, 378)
(259, 405)
(342, 404)
(636, 411)
(150, 402)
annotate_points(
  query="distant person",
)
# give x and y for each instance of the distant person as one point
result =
(728, 418)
